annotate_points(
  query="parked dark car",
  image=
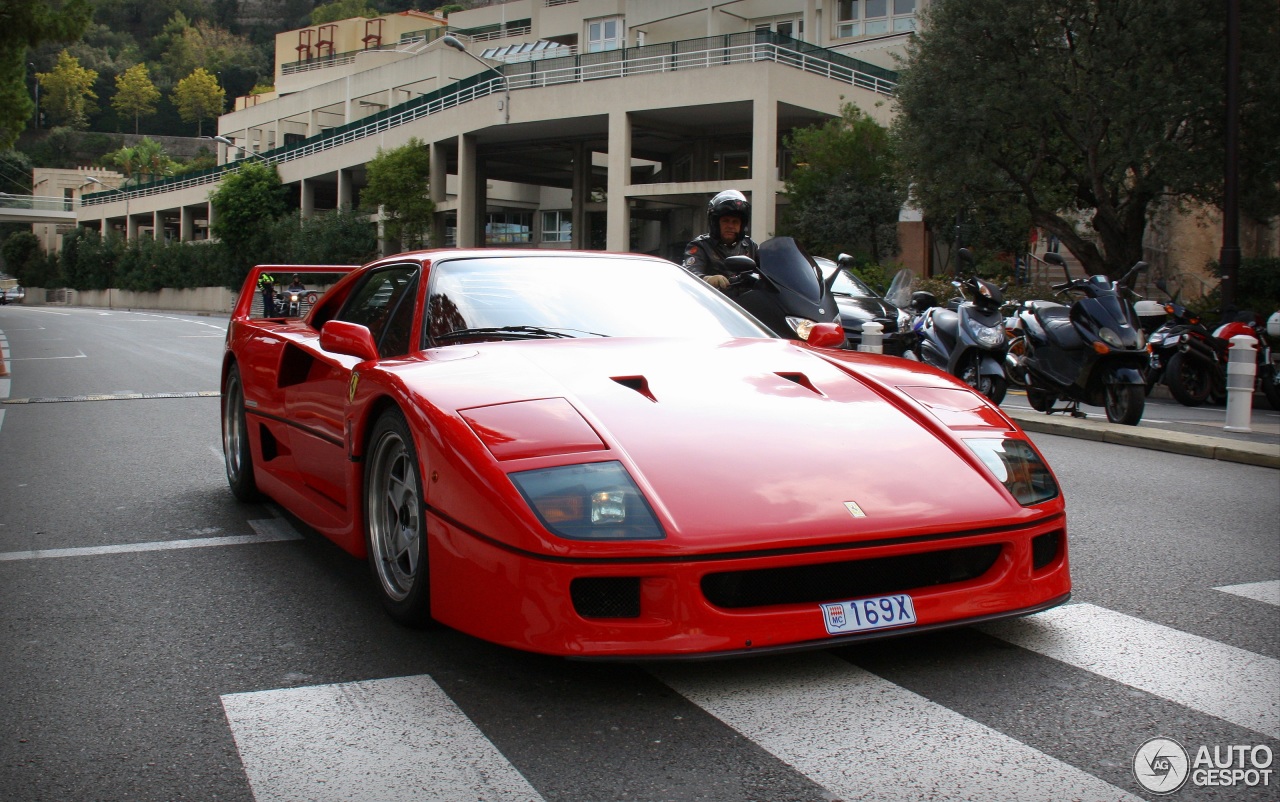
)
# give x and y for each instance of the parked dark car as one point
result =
(860, 304)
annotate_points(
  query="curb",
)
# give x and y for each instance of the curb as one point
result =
(1194, 445)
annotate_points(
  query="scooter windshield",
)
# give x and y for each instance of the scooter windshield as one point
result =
(787, 264)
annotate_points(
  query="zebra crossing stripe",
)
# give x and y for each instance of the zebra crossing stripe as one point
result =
(1224, 681)
(400, 738)
(1268, 592)
(855, 733)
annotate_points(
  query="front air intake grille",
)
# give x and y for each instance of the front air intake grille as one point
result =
(1045, 548)
(847, 580)
(606, 596)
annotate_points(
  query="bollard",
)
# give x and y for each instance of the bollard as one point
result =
(1242, 367)
(872, 338)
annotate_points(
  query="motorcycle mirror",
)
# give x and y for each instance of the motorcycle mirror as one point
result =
(1055, 259)
(740, 263)
(966, 256)
(845, 260)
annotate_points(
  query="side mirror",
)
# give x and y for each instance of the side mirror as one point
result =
(1055, 259)
(826, 335)
(845, 260)
(348, 339)
(740, 264)
(966, 256)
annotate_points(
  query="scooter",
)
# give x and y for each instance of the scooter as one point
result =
(1090, 351)
(787, 293)
(968, 341)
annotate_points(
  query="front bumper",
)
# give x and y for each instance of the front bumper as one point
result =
(664, 609)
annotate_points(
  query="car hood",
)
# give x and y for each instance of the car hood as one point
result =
(744, 442)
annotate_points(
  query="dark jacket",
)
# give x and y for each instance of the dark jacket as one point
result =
(705, 256)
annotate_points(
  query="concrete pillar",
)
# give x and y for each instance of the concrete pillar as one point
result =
(186, 224)
(313, 123)
(344, 189)
(130, 226)
(581, 194)
(764, 170)
(307, 197)
(211, 216)
(467, 192)
(618, 236)
(439, 157)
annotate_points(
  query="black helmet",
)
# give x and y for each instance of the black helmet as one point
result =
(733, 202)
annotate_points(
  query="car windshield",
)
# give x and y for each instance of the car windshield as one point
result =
(846, 283)
(528, 297)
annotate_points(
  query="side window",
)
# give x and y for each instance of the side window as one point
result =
(385, 304)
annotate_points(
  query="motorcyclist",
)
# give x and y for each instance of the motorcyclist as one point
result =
(296, 285)
(729, 220)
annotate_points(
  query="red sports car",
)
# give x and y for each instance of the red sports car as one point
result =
(599, 455)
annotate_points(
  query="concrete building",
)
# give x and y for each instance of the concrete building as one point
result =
(563, 123)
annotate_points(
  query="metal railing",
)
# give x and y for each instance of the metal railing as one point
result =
(36, 203)
(706, 53)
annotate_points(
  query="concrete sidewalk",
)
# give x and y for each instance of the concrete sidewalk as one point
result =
(1265, 454)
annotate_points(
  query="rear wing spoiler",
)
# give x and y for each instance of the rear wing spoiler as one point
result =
(250, 291)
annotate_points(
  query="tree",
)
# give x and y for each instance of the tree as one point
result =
(68, 91)
(25, 24)
(342, 9)
(843, 191)
(198, 98)
(135, 94)
(245, 202)
(398, 181)
(1083, 110)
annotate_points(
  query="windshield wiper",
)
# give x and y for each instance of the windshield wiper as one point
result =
(510, 333)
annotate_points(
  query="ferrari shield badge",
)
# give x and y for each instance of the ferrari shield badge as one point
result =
(854, 509)
(351, 386)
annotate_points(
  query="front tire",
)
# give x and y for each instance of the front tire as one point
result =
(395, 526)
(1039, 400)
(1124, 403)
(236, 453)
(1188, 381)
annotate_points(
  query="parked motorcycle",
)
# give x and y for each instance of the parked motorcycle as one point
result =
(967, 341)
(1169, 366)
(1090, 351)
(787, 292)
(1197, 369)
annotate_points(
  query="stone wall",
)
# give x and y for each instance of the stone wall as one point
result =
(197, 300)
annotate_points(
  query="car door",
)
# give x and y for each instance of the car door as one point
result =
(318, 381)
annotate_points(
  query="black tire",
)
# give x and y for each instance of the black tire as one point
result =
(993, 387)
(1124, 403)
(395, 524)
(1188, 380)
(1039, 400)
(236, 453)
(1270, 388)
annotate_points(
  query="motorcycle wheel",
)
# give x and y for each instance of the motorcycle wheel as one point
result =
(1124, 403)
(1039, 400)
(1188, 381)
(993, 387)
(1270, 388)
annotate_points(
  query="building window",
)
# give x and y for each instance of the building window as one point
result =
(873, 17)
(507, 228)
(557, 227)
(604, 34)
(787, 26)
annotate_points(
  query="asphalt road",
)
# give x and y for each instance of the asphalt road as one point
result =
(160, 641)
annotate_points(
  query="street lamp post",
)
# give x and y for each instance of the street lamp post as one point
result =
(1229, 257)
(456, 44)
(222, 140)
(127, 218)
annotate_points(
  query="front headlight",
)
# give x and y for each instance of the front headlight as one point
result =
(801, 326)
(1018, 467)
(595, 501)
(987, 336)
(1110, 337)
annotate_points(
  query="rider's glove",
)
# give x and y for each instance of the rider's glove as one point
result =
(719, 282)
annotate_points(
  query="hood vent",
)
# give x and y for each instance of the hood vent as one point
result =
(803, 381)
(638, 383)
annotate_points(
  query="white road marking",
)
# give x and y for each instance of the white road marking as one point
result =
(269, 530)
(849, 731)
(1268, 592)
(399, 738)
(1224, 681)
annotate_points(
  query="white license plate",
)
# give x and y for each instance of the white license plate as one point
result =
(862, 615)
